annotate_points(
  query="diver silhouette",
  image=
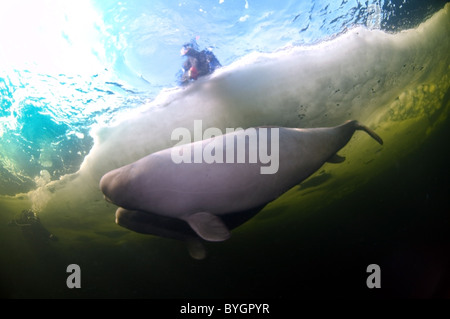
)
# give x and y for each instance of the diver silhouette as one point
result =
(198, 63)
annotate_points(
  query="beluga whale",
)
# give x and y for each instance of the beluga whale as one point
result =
(202, 190)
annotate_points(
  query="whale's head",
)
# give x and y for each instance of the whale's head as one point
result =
(108, 184)
(116, 186)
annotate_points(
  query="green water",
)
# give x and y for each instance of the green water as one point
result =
(315, 241)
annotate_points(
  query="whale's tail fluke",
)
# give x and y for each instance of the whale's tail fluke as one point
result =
(361, 127)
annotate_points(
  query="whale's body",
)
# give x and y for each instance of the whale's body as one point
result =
(204, 193)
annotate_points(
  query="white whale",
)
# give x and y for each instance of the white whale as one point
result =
(204, 194)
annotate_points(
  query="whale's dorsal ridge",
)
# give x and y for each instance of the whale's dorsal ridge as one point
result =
(208, 226)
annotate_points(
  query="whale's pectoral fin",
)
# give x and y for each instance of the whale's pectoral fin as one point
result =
(208, 226)
(336, 159)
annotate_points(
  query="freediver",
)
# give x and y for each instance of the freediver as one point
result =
(31, 226)
(198, 63)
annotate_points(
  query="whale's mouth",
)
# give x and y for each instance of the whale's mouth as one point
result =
(108, 199)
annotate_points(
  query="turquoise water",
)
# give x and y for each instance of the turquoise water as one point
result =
(88, 87)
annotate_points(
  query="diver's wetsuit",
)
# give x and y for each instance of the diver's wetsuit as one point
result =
(198, 64)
